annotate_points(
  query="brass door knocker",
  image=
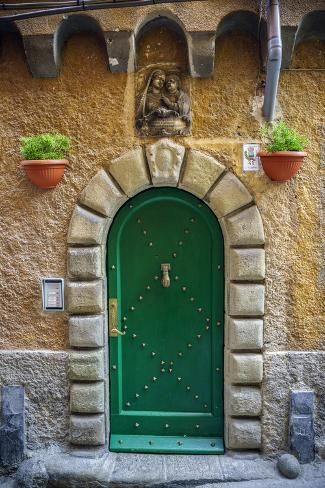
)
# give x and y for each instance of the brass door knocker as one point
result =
(165, 280)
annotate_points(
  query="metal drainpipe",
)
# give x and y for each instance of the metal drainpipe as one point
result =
(274, 46)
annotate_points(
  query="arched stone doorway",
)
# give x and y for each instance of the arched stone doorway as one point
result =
(165, 163)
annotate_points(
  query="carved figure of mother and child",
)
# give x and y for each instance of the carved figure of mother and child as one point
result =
(163, 108)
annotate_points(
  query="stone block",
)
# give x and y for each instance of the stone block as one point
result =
(86, 365)
(245, 368)
(247, 264)
(244, 334)
(85, 297)
(102, 195)
(301, 425)
(87, 397)
(165, 160)
(228, 195)
(87, 228)
(244, 434)
(86, 330)
(245, 228)
(130, 172)
(12, 429)
(201, 171)
(84, 262)
(246, 299)
(87, 430)
(244, 401)
(201, 53)
(39, 51)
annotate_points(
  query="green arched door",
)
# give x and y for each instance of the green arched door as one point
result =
(166, 295)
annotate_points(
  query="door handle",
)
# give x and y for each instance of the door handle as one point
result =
(112, 318)
(165, 280)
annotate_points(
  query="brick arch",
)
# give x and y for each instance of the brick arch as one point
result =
(166, 163)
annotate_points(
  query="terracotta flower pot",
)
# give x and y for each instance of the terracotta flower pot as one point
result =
(45, 173)
(281, 166)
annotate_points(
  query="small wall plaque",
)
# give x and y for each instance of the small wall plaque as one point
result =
(251, 162)
(53, 294)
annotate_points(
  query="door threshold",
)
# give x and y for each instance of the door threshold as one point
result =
(166, 444)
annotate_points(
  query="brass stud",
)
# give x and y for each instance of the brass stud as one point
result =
(207, 320)
(113, 267)
(124, 319)
(148, 287)
(137, 395)
(192, 299)
(153, 354)
(217, 370)
(219, 266)
(156, 278)
(199, 336)
(134, 336)
(114, 366)
(180, 243)
(197, 426)
(174, 254)
(132, 308)
(184, 288)
(162, 362)
(144, 232)
(143, 344)
(150, 244)
(186, 231)
(205, 405)
(189, 346)
(192, 220)
(179, 379)
(180, 354)
(218, 323)
(176, 278)
(166, 426)
(136, 425)
(162, 370)
(199, 205)
(170, 370)
(146, 387)
(140, 298)
(207, 327)
(125, 327)
(188, 388)
(154, 378)
(138, 221)
(196, 397)
(130, 206)
(171, 362)
(128, 404)
(199, 309)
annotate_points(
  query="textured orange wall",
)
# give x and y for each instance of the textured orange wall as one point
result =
(96, 109)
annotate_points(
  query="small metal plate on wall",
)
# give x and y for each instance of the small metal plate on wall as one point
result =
(53, 294)
(166, 444)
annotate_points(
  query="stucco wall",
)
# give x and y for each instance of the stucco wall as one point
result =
(95, 108)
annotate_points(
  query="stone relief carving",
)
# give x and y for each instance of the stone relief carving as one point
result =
(163, 107)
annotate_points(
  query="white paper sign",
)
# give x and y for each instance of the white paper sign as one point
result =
(251, 162)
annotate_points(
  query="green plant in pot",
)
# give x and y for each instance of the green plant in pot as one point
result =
(45, 160)
(284, 151)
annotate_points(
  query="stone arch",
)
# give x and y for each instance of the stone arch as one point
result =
(311, 27)
(166, 163)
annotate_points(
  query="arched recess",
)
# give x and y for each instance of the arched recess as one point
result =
(71, 25)
(10, 28)
(311, 27)
(156, 28)
(249, 23)
(165, 163)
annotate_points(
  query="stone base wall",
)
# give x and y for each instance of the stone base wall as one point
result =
(285, 371)
(44, 376)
